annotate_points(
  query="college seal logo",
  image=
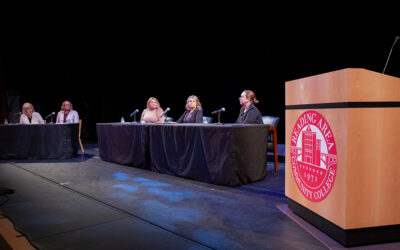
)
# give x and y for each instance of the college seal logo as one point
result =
(313, 156)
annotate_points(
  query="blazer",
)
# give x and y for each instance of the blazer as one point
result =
(251, 116)
(36, 119)
(72, 117)
(197, 117)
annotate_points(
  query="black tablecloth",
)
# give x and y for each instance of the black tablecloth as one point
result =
(124, 143)
(229, 154)
(39, 141)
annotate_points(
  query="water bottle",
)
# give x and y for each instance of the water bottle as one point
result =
(5, 121)
(122, 120)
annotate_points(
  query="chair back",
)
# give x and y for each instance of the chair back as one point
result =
(207, 119)
(272, 139)
(271, 120)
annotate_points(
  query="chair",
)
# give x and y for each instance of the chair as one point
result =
(207, 119)
(79, 135)
(272, 138)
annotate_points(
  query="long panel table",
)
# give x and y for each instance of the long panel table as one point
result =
(38, 141)
(228, 154)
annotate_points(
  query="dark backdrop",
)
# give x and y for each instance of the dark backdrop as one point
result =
(108, 59)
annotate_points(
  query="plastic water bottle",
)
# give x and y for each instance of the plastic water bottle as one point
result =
(5, 121)
(122, 120)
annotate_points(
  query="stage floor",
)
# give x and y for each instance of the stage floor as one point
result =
(87, 203)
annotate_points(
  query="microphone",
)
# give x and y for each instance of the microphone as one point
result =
(165, 112)
(134, 112)
(395, 40)
(52, 113)
(218, 111)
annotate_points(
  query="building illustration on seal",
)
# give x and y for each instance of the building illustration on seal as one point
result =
(309, 154)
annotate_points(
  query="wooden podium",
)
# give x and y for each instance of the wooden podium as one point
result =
(353, 193)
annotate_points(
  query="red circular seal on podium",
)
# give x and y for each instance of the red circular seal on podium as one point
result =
(313, 156)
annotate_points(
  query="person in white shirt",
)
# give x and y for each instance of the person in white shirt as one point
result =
(67, 114)
(29, 116)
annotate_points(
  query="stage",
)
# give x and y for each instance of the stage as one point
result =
(88, 203)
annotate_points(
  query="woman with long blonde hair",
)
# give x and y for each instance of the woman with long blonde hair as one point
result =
(153, 111)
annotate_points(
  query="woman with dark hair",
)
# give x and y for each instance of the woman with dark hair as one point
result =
(193, 113)
(249, 113)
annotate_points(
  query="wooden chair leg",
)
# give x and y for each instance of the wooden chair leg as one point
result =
(79, 135)
(80, 143)
(273, 129)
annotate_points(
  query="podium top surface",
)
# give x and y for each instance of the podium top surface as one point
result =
(346, 85)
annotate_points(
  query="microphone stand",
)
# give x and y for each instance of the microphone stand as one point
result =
(165, 114)
(219, 118)
(166, 120)
(51, 118)
(134, 118)
(395, 40)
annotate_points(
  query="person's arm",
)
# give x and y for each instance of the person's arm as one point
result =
(251, 117)
(39, 118)
(143, 112)
(238, 120)
(58, 119)
(199, 116)
(180, 120)
(76, 117)
(22, 119)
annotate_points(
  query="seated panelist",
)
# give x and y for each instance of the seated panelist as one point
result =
(249, 113)
(153, 111)
(29, 116)
(193, 113)
(67, 114)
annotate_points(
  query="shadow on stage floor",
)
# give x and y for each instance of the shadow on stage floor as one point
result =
(93, 204)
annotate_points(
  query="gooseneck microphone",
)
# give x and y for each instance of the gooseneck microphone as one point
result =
(218, 111)
(165, 112)
(52, 113)
(395, 40)
(134, 112)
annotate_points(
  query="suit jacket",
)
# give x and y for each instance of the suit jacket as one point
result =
(251, 116)
(36, 119)
(197, 117)
(72, 117)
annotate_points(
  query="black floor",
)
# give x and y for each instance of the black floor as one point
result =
(87, 203)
